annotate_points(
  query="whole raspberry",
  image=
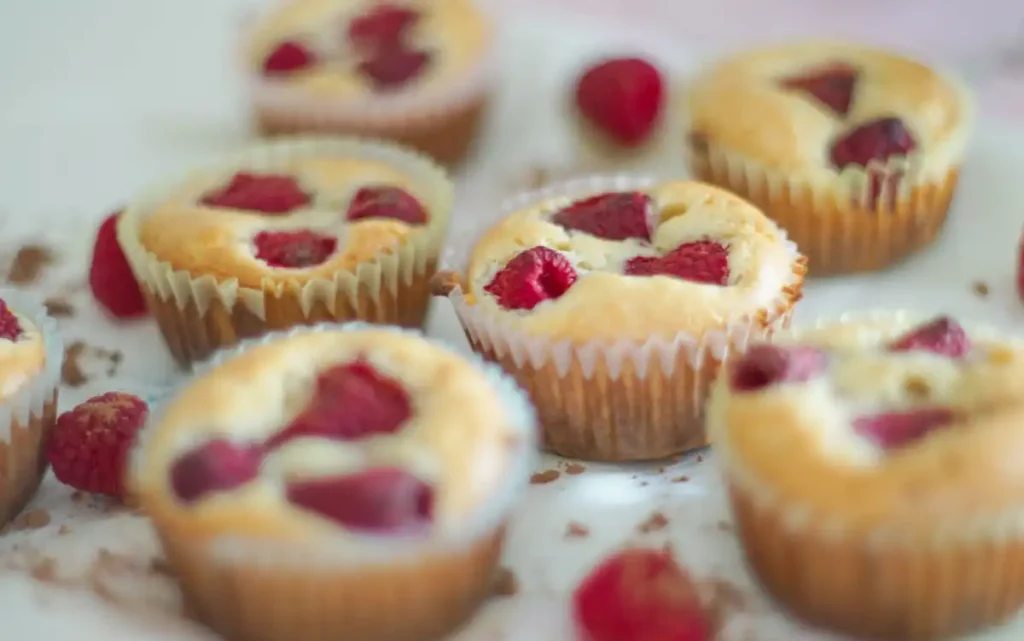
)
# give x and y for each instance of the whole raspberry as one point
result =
(293, 249)
(532, 277)
(386, 202)
(382, 26)
(266, 193)
(215, 466)
(765, 364)
(892, 430)
(384, 500)
(832, 84)
(89, 446)
(392, 67)
(943, 336)
(613, 216)
(288, 57)
(110, 278)
(640, 595)
(10, 327)
(622, 97)
(703, 261)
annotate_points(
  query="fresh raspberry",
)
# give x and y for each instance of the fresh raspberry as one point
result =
(215, 466)
(266, 193)
(532, 277)
(702, 261)
(877, 140)
(352, 402)
(942, 336)
(897, 429)
(110, 278)
(383, 26)
(612, 216)
(390, 68)
(640, 595)
(622, 97)
(89, 446)
(294, 249)
(765, 364)
(386, 202)
(384, 499)
(288, 57)
(831, 84)
(10, 327)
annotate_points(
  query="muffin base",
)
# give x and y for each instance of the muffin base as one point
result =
(855, 586)
(23, 460)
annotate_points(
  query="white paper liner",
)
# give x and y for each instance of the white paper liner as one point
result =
(997, 528)
(31, 399)
(373, 111)
(359, 550)
(419, 248)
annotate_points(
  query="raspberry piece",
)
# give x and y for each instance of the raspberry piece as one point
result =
(10, 327)
(942, 336)
(390, 68)
(831, 84)
(640, 595)
(216, 466)
(384, 499)
(386, 202)
(877, 140)
(702, 261)
(352, 402)
(266, 193)
(383, 26)
(110, 278)
(622, 97)
(532, 277)
(293, 249)
(892, 430)
(288, 57)
(89, 446)
(765, 364)
(612, 216)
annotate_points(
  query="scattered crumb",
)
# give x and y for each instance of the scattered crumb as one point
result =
(681, 479)
(29, 263)
(159, 565)
(722, 599)
(573, 469)
(661, 470)
(64, 530)
(505, 583)
(576, 530)
(77, 496)
(59, 308)
(45, 570)
(980, 288)
(71, 371)
(32, 520)
(655, 522)
(700, 458)
(644, 483)
(547, 476)
(723, 526)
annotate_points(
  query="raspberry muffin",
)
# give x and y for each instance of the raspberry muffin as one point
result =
(854, 151)
(614, 301)
(416, 72)
(336, 483)
(31, 354)
(291, 232)
(873, 467)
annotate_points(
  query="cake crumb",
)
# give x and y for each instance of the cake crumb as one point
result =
(700, 458)
(573, 469)
(575, 530)
(160, 566)
(682, 478)
(655, 522)
(722, 599)
(547, 476)
(980, 289)
(59, 308)
(44, 570)
(29, 263)
(32, 520)
(64, 530)
(505, 583)
(71, 373)
(723, 526)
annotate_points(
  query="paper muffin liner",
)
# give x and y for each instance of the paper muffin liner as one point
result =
(27, 416)
(387, 589)
(198, 313)
(832, 220)
(619, 401)
(964, 575)
(441, 121)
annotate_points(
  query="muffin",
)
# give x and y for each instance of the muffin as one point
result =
(613, 301)
(31, 354)
(336, 483)
(855, 152)
(288, 233)
(417, 72)
(873, 469)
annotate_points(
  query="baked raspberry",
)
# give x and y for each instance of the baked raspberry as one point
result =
(640, 595)
(942, 336)
(897, 429)
(288, 57)
(390, 68)
(110, 277)
(612, 216)
(383, 26)
(88, 448)
(293, 249)
(10, 328)
(877, 140)
(383, 500)
(266, 193)
(831, 84)
(702, 261)
(532, 277)
(386, 202)
(622, 97)
(215, 466)
(765, 364)
(351, 402)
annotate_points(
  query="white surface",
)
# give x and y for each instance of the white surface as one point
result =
(113, 94)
